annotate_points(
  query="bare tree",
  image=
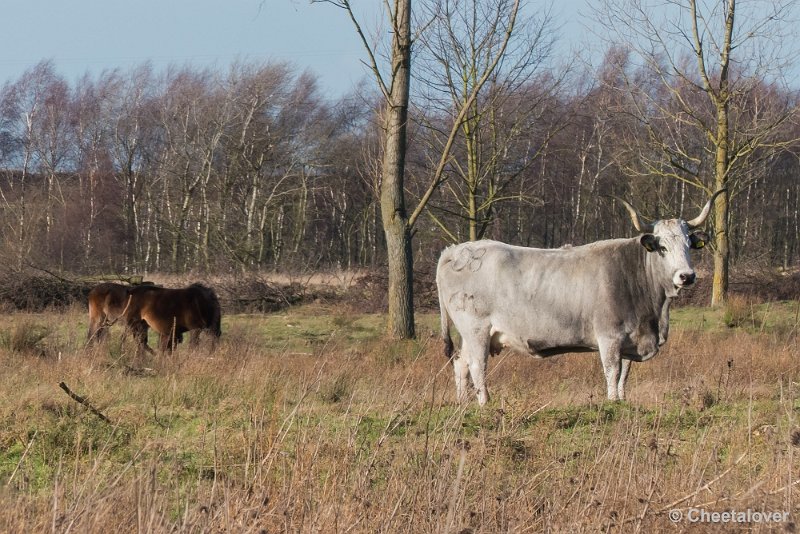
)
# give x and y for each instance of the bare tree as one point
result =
(29, 114)
(89, 128)
(52, 141)
(267, 146)
(699, 107)
(395, 88)
(132, 134)
(479, 58)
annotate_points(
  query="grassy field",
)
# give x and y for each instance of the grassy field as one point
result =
(308, 421)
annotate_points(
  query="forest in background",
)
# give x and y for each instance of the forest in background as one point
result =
(255, 168)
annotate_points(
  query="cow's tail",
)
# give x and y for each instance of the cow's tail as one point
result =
(445, 317)
(448, 341)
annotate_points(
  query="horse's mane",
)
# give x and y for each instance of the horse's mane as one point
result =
(206, 291)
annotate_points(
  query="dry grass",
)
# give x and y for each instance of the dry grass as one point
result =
(337, 431)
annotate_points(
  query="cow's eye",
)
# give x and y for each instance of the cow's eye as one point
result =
(662, 249)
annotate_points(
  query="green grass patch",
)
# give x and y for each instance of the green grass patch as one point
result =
(780, 319)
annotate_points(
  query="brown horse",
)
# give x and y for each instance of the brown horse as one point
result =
(173, 312)
(109, 303)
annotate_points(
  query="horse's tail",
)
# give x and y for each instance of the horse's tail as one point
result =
(212, 314)
(216, 317)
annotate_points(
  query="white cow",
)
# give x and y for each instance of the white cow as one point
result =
(610, 296)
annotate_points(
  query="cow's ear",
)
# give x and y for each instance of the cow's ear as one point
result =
(649, 242)
(698, 239)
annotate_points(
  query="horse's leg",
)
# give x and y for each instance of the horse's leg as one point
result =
(170, 340)
(194, 337)
(91, 336)
(174, 334)
(138, 330)
(97, 328)
(214, 335)
(140, 335)
(165, 342)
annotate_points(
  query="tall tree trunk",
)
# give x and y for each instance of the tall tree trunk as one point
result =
(719, 289)
(400, 322)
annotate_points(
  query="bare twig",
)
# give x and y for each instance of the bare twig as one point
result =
(51, 273)
(82, 400)
(704, 487)
(451, 512)
(22, 458)
(784, 488)
(155, 415)
(640, 517)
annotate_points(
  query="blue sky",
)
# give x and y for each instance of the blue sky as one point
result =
(92, 35)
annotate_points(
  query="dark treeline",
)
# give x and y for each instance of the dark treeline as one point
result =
(255, 168)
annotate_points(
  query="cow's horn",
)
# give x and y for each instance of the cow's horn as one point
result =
(700, 219)
(638, 221)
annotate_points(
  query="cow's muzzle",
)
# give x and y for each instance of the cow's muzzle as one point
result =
(687, 279)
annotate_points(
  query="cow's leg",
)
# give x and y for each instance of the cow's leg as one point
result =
(477, 369)
(461, 372)
(625, 366)
(475, 349)
(612, 365)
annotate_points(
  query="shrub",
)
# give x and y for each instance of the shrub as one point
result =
(25, 338)
(738, 311)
